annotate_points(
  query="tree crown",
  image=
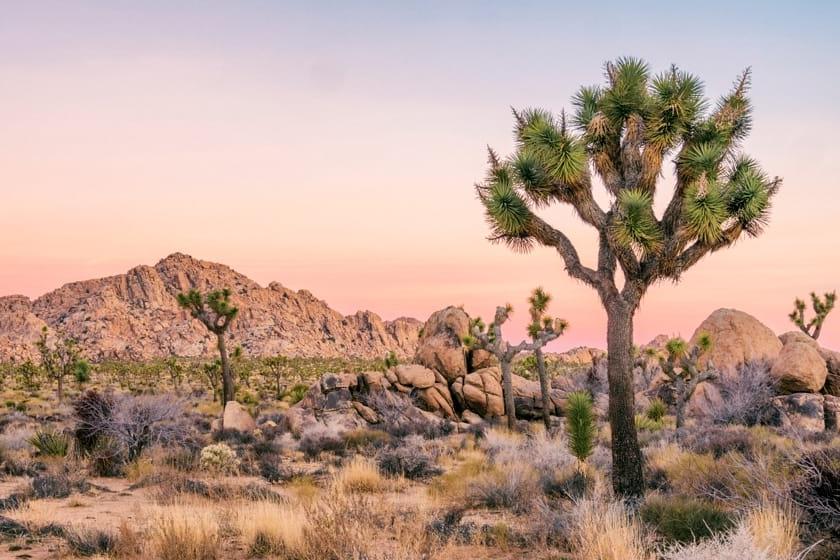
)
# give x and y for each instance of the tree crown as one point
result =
(622, 132)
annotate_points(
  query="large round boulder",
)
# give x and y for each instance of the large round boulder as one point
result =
(799, 368)
(237, 418)
(803, 411)
(737, 338)
(440, 346)
(832, 364)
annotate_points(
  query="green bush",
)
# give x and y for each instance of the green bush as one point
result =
(296, 393)
(50, 443)
(682, 519)
(656, 410)
(645, 423)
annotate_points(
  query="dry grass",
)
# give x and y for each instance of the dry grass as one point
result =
(359, 475)
(184, 532)
(602, 530)
(271, 528)
(774, 529)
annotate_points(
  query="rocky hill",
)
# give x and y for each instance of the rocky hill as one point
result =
(135, 316)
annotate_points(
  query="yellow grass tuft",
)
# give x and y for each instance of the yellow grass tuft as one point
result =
(271, 528)
(774, 530)
(184, 532)
(359, 475)
(604, 531)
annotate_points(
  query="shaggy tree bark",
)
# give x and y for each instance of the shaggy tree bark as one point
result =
(545, 388)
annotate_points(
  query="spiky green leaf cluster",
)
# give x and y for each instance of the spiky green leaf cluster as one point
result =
(634, 224)
(704, 211)
(580, 424)
(551, 153)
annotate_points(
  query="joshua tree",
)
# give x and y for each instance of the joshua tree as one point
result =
(489, 337)
(176, 371)
(212, 373)
(621, 133)
(277, 367)
(539, 301)
(681, 369)
(61, 359)
(822, 307)
(216, 313)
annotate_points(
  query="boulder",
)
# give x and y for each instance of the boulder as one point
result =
(374, 381)
(438, 399)
(799, 410)
(471, 418)
(736, 338)
(237, 418)
(831, 409)
(798, 336)
(480, 392)
(414, 376)
(332, 381)
(832, 379)
(440, 346)
(366, 412)
(705, 399)
(479, 359)
(799, 368)
(527, 399)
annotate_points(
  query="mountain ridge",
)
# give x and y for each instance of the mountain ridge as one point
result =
(135, 316)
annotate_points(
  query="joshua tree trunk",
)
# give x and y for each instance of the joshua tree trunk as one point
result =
(507, 389)
(544, 387)
(60, 389)
(628, 478)
(227, 375)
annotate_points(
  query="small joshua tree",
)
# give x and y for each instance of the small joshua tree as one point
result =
(277, 367)
(683, 373)
(822, 307)
(489, 337)
(540, 321)
(60, 359)
(176, 371)
(580, 424)
(216, 313)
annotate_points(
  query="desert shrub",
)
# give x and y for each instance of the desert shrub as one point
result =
(656, 410)
(50, 443)
(513, 486)
(453, 485)
(580, 425)
(90, 542)
(401, 418)
(106, 457)
(130, 423)
(269, 528)
(219, 458)
(295, 393)
(745, 396)
(603, 530)
(272, 470)
(365, 438)
(180, 532)
(682, 519)
(318, 438)
(359, 475)
(645, 423)
(816, 488)
(720, 440)
(412, 462)
(56, 485)
(233, 437)
(341, 526)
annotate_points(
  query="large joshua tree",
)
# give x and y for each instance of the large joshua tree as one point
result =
(216, 313)
(621, 133)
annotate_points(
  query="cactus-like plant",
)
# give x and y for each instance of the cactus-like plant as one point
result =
(216, 312)
(60, 359)
(540, 319)
(821, 306)
(580, 424)
(621, 135)
(489, 337)
(680, 365)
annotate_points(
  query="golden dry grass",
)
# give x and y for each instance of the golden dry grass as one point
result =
(604, 531)
(360, 475)
(774, 529)
(184, 532)
(271, 528)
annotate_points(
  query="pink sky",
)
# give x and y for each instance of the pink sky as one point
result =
(336, 152)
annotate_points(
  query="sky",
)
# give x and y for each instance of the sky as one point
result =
(333, 146)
